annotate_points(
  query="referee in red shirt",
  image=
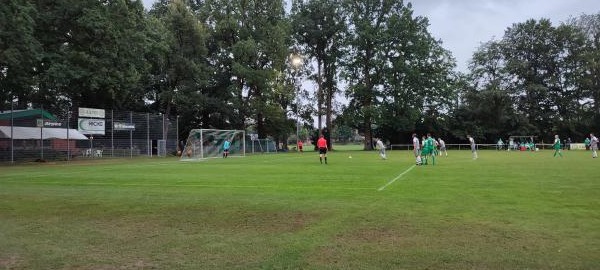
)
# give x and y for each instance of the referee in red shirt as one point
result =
(322, 145)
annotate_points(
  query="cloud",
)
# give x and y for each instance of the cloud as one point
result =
(464, 25)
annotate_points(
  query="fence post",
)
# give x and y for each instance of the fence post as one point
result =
(177, 134)
(42, 132)
(112, 133)
(130, 135)
(68, 137)
(148, 142)
(12, 121)
(163, 138)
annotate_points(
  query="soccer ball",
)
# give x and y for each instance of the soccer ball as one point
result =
(349, 156)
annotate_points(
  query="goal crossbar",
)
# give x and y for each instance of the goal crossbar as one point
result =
(203, 144)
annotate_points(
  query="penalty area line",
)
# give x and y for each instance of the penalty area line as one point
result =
(397, 177)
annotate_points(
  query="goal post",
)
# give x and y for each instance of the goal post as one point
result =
(208, 143)
(261, 146)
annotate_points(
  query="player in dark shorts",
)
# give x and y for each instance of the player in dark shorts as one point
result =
(322, 145)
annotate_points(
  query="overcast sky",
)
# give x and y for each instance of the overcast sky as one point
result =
(463, 25)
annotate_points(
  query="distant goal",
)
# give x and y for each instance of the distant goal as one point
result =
(208, 143)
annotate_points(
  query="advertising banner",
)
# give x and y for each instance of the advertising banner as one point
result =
(123, 126)
(48, 123)
(91, 126)
(93, 113)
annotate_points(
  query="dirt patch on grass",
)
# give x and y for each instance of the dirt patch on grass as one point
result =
(428, 246)
(239, 220)
(9, 262)
(272, 222)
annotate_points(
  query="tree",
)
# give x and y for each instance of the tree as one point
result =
(533, 80)
(396, 71)
(19, 52)
(589, 81)
(181, 74)
(366, 54)
(542, 61)
(486, 109)
(249, 49)
(319, 27)
(92, 54)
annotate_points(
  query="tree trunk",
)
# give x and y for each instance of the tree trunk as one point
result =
(366, 102)
(260, 125)
(319, 95)
(329, 102)
(165, 127)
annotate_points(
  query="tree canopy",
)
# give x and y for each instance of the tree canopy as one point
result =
(226, 64)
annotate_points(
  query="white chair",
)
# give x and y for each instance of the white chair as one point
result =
(87, 153)
(98, 153)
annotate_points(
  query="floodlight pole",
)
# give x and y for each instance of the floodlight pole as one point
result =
(297, 115)
(296, 61)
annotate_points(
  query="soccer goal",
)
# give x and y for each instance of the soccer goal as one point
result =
(208, 143)
(262, 146)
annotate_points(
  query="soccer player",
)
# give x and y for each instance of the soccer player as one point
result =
(556, 146)
(442, 146)
(322, 145)
(587, 143)
(594, 145)
(417, 148)
(300, 146)
(381, 149)
(428, 150)
(473, 146)
(226, 146)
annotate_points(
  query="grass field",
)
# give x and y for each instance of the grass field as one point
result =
(517, 210)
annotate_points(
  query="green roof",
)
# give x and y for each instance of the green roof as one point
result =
(27, 114)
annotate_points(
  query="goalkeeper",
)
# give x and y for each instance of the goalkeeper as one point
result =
(226, 146)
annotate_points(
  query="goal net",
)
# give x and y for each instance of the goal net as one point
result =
(208, 143)
(261, 146)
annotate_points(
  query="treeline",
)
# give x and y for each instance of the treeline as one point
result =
(228, 64)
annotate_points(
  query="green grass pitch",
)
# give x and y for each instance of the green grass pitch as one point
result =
(505, 210)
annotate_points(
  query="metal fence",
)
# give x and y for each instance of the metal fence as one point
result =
(539, 146)
(39, 135)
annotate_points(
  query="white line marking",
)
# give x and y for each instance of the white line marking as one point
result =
(397, 177)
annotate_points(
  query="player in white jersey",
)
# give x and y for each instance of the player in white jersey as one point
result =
(417, 148)
(442, 146)
(594, 145)
(381, 147)
(473, 146)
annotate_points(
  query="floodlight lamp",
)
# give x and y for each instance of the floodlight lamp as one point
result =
(296, 60)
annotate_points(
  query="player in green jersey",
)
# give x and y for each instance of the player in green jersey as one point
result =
(556, 146)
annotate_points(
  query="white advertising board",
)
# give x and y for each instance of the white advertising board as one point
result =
(93, 113)
(91, 126)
